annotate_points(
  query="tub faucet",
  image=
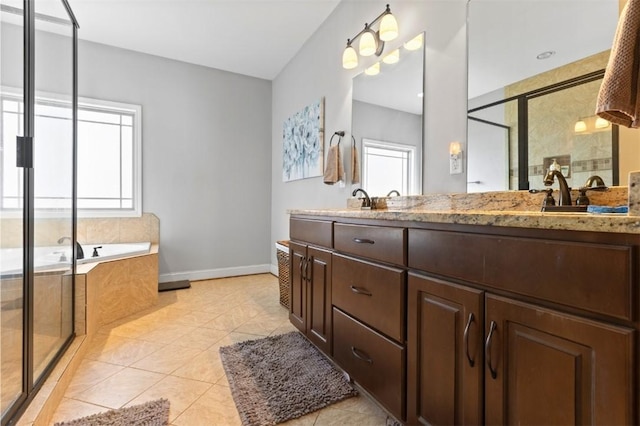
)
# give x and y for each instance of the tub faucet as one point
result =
(79, 251)
(565, 195)
(366, 201)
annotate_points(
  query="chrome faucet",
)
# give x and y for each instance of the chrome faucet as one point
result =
(79, 251)
(393, 191)
(565, 194)
(366, 201)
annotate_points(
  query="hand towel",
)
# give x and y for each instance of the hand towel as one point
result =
(355, 165)
(334, 170)
(618, 99)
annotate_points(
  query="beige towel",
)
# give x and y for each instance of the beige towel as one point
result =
(334, 170)
(355, 165)
(618, 99)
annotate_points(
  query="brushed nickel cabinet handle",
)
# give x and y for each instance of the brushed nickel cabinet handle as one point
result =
(363, 241)
(361, 355)
(487, 349)
(360, 290)
(466, 339)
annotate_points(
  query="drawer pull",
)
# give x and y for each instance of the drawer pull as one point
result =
(471, 319)
(359, 290)
(487, 349)
(363, 241)
(361, 355)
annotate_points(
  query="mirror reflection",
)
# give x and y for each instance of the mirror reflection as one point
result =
(535, 69)
(387, 127)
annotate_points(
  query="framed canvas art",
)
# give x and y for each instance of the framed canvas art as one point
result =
(303, 142)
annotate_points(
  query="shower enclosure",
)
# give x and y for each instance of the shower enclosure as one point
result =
(38, 103)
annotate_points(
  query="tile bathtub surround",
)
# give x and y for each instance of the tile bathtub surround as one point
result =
(171, 351)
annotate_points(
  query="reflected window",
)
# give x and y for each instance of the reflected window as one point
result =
(109, 156)
(393, 164)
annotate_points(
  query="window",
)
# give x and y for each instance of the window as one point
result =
(108, 162)
(394, 166)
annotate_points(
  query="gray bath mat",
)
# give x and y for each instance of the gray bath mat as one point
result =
(279, 378)
(152, 413)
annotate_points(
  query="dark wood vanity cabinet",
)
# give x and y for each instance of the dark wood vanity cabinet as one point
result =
(310, 280)
(449, 324)
(444, 352)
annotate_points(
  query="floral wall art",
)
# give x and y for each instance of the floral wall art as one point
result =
(303, 140)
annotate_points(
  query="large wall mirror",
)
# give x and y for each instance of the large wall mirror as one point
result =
(387, 124)
(535, 68)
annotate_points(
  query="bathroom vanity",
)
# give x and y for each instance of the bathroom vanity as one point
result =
(474, 317)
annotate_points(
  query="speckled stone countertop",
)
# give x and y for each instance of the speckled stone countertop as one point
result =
(509, 209)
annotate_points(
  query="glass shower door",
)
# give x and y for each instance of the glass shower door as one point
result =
(12, 274)
(52, 183)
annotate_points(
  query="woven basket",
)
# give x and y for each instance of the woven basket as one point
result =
(282, 252)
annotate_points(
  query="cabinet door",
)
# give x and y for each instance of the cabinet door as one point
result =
(444, 353)
(546, 367)
(297, 290)
(319, 298)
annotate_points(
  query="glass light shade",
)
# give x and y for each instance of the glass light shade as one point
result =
(392, 57)
(601, 123)
(349, 58)
(580, 126)
(388, 27)
(415, 43)
(368, 44)
(373, 69)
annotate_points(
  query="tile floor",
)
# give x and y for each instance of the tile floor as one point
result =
(171, 351)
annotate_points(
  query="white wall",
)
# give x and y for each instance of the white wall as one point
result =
(317, 71)
(206, 157)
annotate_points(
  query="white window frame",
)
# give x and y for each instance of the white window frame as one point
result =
(413, 165)
(107, 106)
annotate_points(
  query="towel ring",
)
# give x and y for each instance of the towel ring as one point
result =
(340, 135)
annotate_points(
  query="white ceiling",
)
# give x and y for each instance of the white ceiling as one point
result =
(251, 37)
(506, 36)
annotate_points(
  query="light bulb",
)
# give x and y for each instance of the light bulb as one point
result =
(349, 58)
(388, 27)
(373, 69)
(415, 43)
(368, 44)
(580, 126)
(392, 57)
(601, 123)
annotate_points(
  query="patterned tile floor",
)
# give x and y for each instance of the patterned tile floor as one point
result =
(171, 351)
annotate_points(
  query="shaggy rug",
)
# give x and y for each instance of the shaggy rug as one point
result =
(279, 378)
(152, 413)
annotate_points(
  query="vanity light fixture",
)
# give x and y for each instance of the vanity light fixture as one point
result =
(580, 126)
(392, 57)
(455, 158)
(415, 43)
(588, 125)
(373, 69)
(371, 41)
(601, 123)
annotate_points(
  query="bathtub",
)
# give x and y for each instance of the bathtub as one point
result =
(59, 257)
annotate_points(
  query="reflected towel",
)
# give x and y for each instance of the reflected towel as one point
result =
(334, 170)
(618, 99)
(355, 165)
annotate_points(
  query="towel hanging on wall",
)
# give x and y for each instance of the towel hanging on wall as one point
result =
(619, 97)
(334, 169)
(355, 162)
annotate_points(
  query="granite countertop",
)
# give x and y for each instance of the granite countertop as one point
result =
(517, 209)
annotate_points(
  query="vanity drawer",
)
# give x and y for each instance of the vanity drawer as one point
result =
(372, 293)
(319, 232)
(375, 242)
(375, 362)
(599, 278)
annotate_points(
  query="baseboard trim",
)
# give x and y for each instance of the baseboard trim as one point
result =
(209, 274)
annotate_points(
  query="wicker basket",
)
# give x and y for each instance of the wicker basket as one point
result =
(282, 252)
